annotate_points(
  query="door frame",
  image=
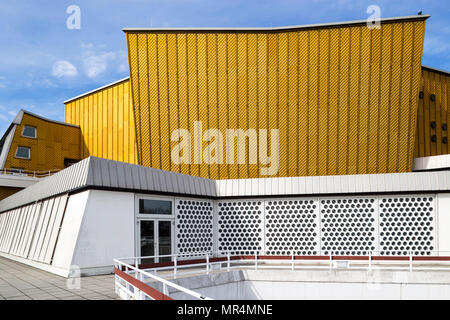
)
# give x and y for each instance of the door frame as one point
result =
(155, 218)
(155, 235)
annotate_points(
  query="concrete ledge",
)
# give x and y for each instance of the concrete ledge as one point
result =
(315, 284)
(7, 180)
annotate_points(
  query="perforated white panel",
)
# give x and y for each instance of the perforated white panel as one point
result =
(292, 226)
(194, 226)
(407, 224)
(348, 226)
(240, 226)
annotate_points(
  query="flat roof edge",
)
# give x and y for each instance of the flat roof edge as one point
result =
(436, 70)
(97, 89)
(283, 28)
(49, 120)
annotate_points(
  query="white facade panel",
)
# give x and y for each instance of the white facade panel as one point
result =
(107, 230)
(443, 223)
(70, 227)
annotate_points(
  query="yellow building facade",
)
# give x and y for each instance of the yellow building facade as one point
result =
(7, 191)
(433, 114)
(39, 145)
(106, 119)
(343, 97)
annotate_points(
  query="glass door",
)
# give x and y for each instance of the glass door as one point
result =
(147, 240)
(164, 239)
(155, 238)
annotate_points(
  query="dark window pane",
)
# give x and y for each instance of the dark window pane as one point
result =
(165, 240)
(29, 132)
(155, 206)
(147, 241)
(23, 152)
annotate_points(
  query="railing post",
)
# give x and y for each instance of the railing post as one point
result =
(142, 292)
(207, 263)
(256, 260)
(370, 261)
(331, 260)
(165, 289)
(292, 267)
(410, 262)
(175, 267)
(228, 261)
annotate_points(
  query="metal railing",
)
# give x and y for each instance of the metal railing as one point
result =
(137, 289)
(208, 262)
(28, 173)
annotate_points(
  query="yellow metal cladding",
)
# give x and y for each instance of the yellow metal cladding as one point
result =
(7, 191)
(344, 98)
(106, 120)
(433, 115)
(54, 143)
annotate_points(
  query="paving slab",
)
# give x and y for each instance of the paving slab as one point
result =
(21, 282)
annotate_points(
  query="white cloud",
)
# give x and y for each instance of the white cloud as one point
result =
(97, 61)
(64, 68)
(95, 65)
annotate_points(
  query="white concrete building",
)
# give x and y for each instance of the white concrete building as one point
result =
(97, 210)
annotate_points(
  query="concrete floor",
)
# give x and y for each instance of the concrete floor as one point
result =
(22, 282)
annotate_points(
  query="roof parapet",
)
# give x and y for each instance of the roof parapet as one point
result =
(277, 29)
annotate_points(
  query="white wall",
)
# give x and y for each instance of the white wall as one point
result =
(443, 222)
(70, 228)
(297, 285)
(107, 231)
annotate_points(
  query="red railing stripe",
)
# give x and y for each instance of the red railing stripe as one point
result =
(152, 292)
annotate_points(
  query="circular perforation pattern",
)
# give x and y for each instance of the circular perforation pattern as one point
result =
(194, 224)
(240, 226)
(348, 226)
(291, 227)
(407, 225)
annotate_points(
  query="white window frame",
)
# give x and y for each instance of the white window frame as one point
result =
(35, 132)
(19, 157)
(155, 218)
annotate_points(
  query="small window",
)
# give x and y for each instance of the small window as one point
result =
(29, 132)
(23, 152)
(155, 207)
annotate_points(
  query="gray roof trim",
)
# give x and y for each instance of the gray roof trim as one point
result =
(19, 117)
(344, 184)
(108, 174)
(284, 28)
(98, 89)
(436, 70)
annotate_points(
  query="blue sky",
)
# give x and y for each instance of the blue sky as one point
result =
(43, 63)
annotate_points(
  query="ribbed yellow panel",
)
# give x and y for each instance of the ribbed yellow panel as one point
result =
(343, 107)
(53, 144)
(342, 98)
(374, 101)
(438, 84)
(106, 119)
